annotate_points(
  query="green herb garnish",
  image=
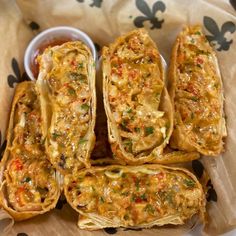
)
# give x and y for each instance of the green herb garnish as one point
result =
(128, 143)
(194, 99)
(137, 129)
(129, 110)
(198, 33)
(94, 190)
(125, 194)
(143, 197)
(71, 91)
(169, 197)
(189, 183)
(149, 208)
(55, 135)
(26, 180)
(137, 185)
(123, 175)
(198, 65)
(124, 125)
(192, 115)
(102, 199)
(133, 198)
(82, 140)
(149, 130)
(77, 76)
(80, 65)
(85, 106)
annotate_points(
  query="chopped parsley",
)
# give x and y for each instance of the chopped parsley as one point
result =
(192, 115)
(189, 183)
(194, 98)
(123, 175)
(198, 33)
(124, 125)
(133, 198)
(82, 140)
(80, 65)
(26, 180)
(198, 65)
(129, 110)
(125, 194)
(143, 196)
(149, 208)
(137, 129)
(137, 185)
(71, 91)
(55, 135)
(102, 199)
(169, 197)
(77, 76)
(149, 130)
(85, 106)
(128, 144)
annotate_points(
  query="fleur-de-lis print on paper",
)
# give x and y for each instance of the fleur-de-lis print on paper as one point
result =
(199, 171)
(34, 25)
(218, 37)
(149, 14)
(95, 3)
(233, 3)
(17, 77)
(2, 146)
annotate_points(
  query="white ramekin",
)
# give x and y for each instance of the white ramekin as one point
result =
(55, 33)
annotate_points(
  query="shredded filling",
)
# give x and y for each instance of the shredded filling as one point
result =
(134, 93)
(136, 196)
(30, 178)
(198, 90)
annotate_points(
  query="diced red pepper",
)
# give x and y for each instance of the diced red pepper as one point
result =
(74, 64)
(160, 175)
(199, 60)
(138, 200)
(17, 164)
(132, 74)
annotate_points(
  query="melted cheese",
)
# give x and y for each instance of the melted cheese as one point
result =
(134, 195)
(30, 177)
(66, 72)
(198, 95)
(134, 90)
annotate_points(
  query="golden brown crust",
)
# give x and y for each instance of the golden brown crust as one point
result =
(93, 221)
(163, 107)
(66, 85)
(21, 89)
(183, 137)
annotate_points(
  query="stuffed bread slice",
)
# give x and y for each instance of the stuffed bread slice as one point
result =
(197, 93)
(137, 105)
(134, 196)
(28, 182)
(66, 84)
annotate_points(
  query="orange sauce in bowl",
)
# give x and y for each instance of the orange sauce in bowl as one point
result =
(54, 42)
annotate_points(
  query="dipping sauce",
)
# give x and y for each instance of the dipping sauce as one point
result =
(50, 43)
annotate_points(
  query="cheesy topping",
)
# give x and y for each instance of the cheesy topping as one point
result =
(134, 195)
(31, 182)
(198, 95)
(67, 70)
(135, 86)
